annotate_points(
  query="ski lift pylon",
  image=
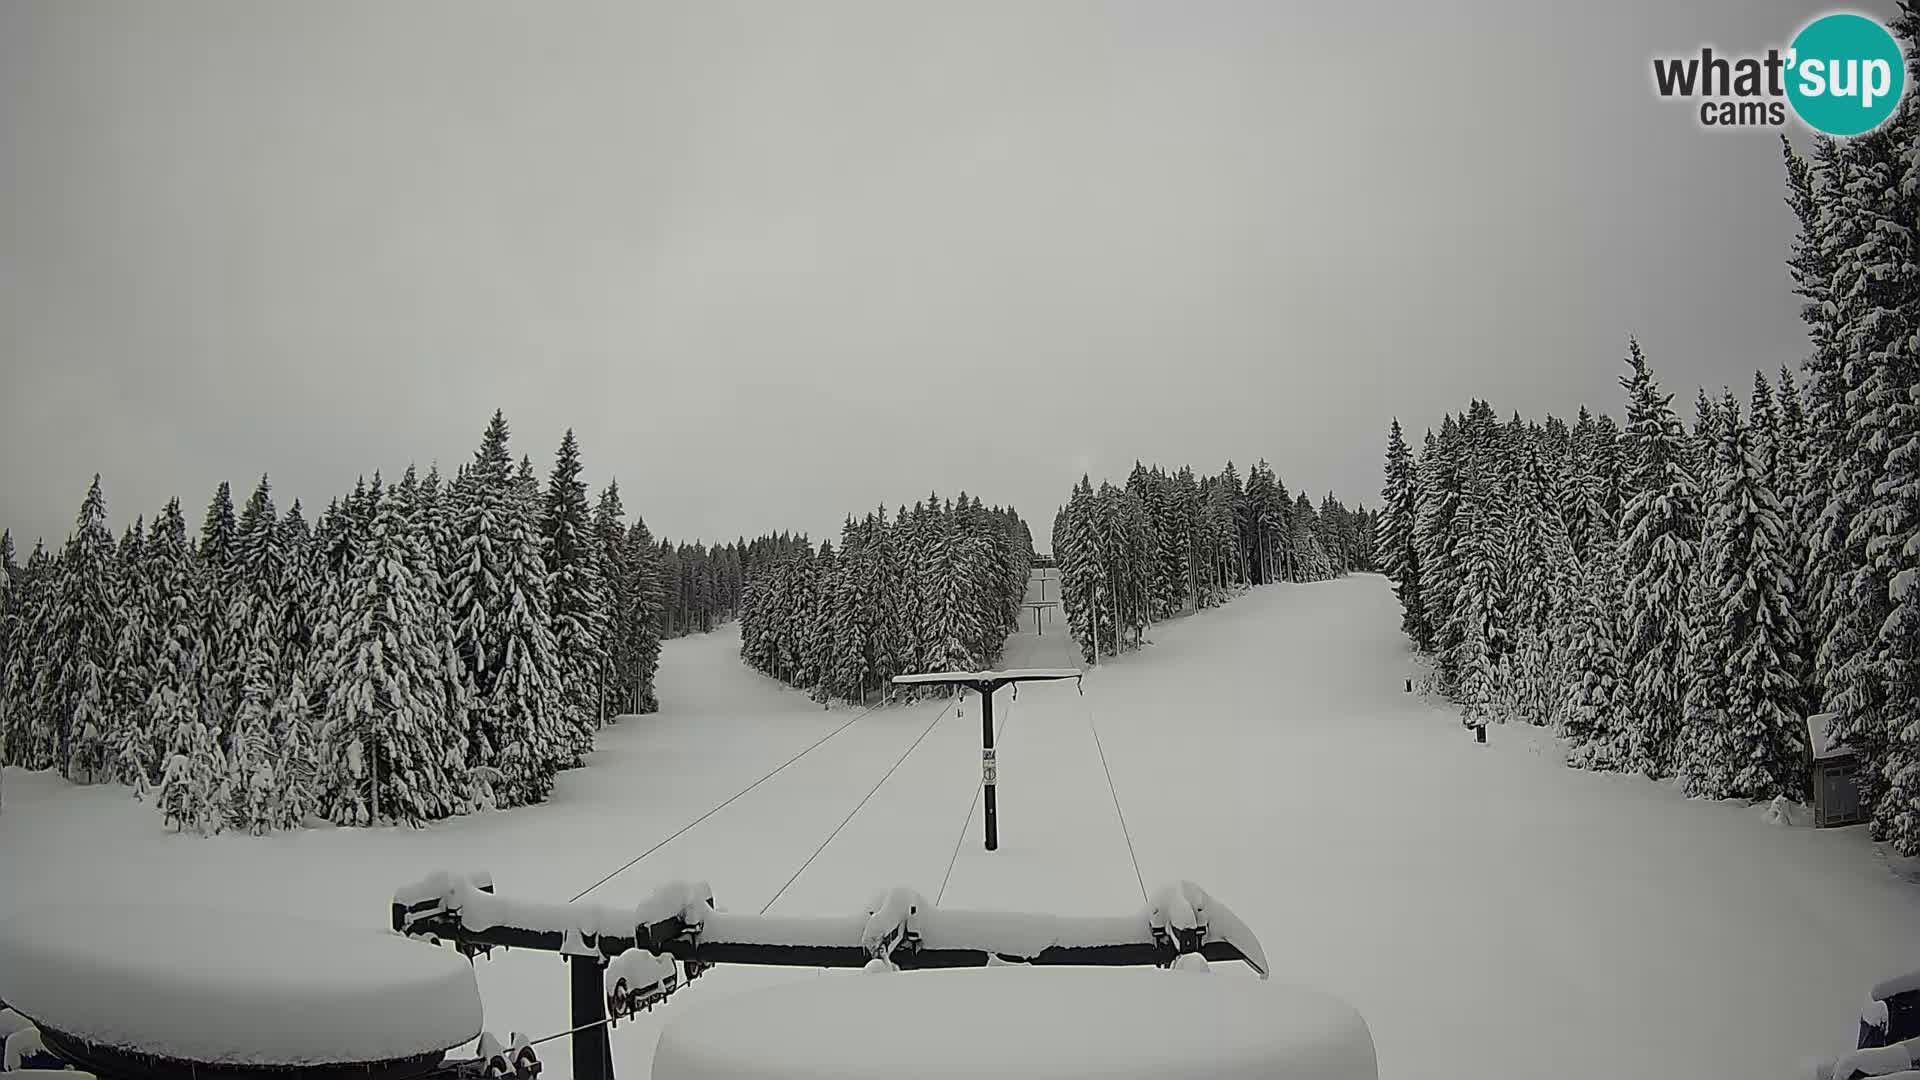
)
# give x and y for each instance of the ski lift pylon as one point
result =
(985, 683)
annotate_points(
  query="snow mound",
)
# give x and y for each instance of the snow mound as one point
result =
(234, 988)
(21, 1044)
(1024, 1022)
(1896, 1060)
(1784, 811)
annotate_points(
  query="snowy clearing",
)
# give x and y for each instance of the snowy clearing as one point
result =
(1484, 908)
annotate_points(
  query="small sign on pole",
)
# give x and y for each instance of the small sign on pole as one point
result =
(988, 767)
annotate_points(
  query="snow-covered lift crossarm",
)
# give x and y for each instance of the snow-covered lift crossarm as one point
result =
(985, 683)
(622, 958)
(679, 920)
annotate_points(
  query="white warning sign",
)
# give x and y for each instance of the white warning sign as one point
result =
(986, 766)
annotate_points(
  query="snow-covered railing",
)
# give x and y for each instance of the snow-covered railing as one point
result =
(899, 925)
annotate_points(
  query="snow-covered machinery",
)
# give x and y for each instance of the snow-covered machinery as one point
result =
(141, 990)
(1888, 1044)
(637, 980)
(623, 960)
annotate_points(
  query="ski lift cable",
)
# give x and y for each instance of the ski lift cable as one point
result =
(569, 1031)
(863, 802)
(688, 827)
(1111, 790)
(967, 821)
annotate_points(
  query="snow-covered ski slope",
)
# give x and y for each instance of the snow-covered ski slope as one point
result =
(1490, 912)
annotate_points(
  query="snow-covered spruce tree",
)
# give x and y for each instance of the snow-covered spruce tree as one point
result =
(1441, 488)
(1824, 431)
(31, 736)
(80, 642)
(1170, 546)
(849, 672)
(499, 592)
(1538, 554)
(334, 550)
(1827, 504)
(1701, 443)
(797, 634)
(886, 616)
(1597, 726)
(163, 606)
(1187, 513)
(618, 590)
(1698, 756)
(256, 628)
(1763, 742)
(820, 652)
(1481, 639)
(1885, 357)
(939, 647)
(10, 593)
(1582, 488)
(129, 750)
(1399, 557)
(648, 601)
(1083, 575)
(1260, 519)
(1479, 702)
(1110, 542)
(1222, 540)
(1610, 472)
(425, 507)
(1661, 529)
(577, 599)
(1121, 566)
(1866, 230)
(220, 658)
(1786, 464)
(1310, 556)
(636, 576)
(193, 793)
(882, 610)
(385, 744)
(753, 634)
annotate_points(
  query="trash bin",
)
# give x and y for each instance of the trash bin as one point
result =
(1836, 777)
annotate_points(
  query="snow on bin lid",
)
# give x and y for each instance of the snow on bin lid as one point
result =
(234, 988)
(1820, 737)
(1020, 1023)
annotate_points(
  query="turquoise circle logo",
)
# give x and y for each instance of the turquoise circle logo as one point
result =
(1847, 74)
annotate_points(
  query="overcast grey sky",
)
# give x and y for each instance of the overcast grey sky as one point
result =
(778, 261)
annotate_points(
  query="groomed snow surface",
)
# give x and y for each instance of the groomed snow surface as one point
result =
(1487, 911)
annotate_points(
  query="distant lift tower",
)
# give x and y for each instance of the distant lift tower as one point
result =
(985, 683)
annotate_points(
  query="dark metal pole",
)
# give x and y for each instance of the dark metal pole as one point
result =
(987, 764)
(592, 1050)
